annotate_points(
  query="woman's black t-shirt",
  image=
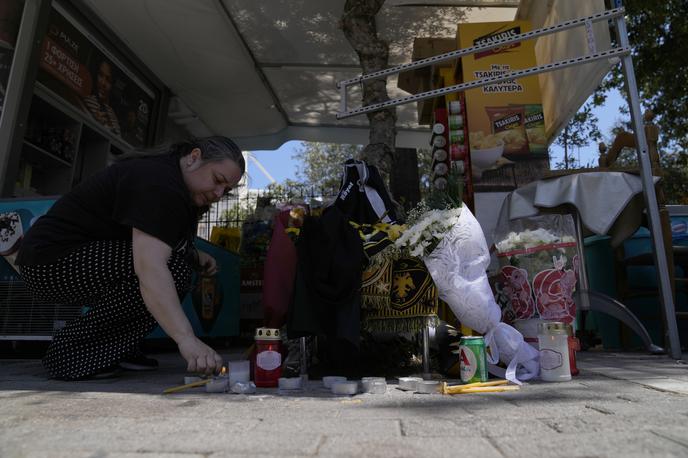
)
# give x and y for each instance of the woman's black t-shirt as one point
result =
(146, 193)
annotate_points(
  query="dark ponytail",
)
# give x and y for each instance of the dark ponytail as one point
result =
(215, 148)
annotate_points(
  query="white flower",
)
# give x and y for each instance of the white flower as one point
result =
(429, 229)
(529, 239)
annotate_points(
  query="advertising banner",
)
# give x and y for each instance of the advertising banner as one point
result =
(78, 71)
(505, 120)
(16, 217)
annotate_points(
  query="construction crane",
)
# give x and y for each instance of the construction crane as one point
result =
(249, 156)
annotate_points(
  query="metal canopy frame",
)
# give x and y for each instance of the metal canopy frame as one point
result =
(614, 52)
(620, 52)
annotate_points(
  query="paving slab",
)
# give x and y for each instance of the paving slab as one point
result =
(596, 444)
(622, 404)
(410, 447)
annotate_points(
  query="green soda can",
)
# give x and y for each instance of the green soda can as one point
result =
(455, 121)
(456, 137)
(472, 359)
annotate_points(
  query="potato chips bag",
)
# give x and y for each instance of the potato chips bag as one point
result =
(535, 128)
(508, 123)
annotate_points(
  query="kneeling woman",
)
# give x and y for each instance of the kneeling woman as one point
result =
(122, 243)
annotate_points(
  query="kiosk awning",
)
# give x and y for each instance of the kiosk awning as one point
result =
(564, 91)
(265, 72)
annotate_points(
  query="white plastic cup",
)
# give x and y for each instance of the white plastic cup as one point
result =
(347, 388)
(239, 371)
(374, 385)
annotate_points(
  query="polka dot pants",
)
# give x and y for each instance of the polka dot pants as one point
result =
(99, 275)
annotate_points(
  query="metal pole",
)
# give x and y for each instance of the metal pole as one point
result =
(582, 268)
(650, 195)
(304, 359)
(426, 351)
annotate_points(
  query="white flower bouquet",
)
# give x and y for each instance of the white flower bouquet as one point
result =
(452, 246)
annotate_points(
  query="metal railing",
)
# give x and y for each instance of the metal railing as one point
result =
(236, 208)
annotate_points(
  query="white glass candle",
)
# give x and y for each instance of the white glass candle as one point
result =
(554, 352)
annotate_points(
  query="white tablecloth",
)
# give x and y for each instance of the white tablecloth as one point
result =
(607, 202)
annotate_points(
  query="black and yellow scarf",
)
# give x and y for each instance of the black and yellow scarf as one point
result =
(398, 296)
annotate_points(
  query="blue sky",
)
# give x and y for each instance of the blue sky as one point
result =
(280, 165)
(607, 114)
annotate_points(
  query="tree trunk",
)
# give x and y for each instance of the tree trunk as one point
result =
(404, 180)
(360, 29)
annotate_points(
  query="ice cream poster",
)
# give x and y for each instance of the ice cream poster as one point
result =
(16, 216)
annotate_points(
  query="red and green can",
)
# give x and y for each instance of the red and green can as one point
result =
(472, 359)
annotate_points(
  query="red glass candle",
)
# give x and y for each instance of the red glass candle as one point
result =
(268, 357)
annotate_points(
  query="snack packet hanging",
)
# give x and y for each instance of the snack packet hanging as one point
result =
(508, 123)
(535, 128)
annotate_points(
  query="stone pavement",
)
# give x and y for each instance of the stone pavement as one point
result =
(622, 404)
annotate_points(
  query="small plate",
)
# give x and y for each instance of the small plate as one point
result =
(289, 383)
(345, 388)
(374, 385)
(331, 379)
(428, 386)
(409, 383)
